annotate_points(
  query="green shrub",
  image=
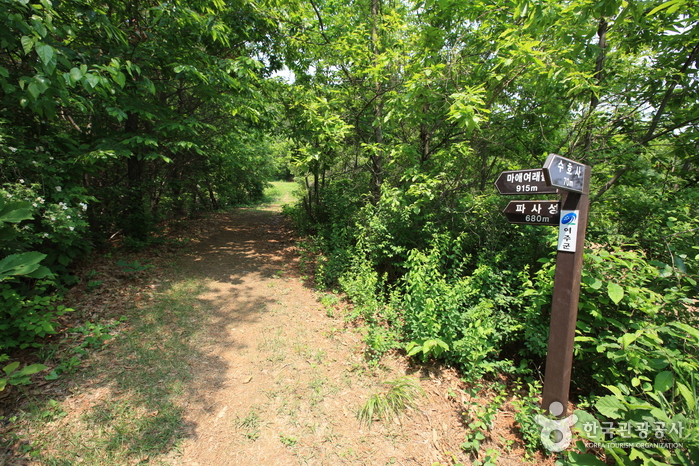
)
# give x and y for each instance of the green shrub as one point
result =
(27, 313)
(656, 402)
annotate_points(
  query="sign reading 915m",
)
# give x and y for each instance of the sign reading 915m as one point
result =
(524, 182)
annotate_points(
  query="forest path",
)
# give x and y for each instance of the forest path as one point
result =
(281, 375)
(221, 353)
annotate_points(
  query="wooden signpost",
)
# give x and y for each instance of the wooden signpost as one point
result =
(571, 180)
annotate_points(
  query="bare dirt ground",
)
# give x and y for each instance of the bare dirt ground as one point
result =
(278, 377)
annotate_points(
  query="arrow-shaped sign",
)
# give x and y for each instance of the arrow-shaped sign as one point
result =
(533, 212)
(565, 173)
(530, 181)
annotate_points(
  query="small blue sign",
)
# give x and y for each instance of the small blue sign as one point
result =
(568, 230)
(569, 219)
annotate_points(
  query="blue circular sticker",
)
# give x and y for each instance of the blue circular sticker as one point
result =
(568, 218)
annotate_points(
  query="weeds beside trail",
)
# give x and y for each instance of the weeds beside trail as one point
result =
(219, 354)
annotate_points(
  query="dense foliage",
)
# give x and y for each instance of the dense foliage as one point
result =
(114, 117)
(402, 119)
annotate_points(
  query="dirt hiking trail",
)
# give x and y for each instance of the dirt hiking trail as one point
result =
(292, 374)
(232, 358)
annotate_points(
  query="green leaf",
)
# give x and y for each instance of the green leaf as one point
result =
(41, 272)
(679, 263)
(609, 406)
(16, 216)
(10, 368)
(75, 74)
(615, 292)
(588, 426)
(149, 85)
(671, 6)
(615, 390)
(687, 328)
(687, 395)
(27, 44)
(585, 459)
(592, 282)
(413, 348)
(663, 381)
(627, 339)
(38, 86)
(120, 79)
(45, 53)
(34, 90)
(20, 264)
(31, 369)
(92, 80)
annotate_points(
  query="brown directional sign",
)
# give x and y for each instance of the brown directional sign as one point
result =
(564, 173)
(530, 181)
(571, 180)
(533, 212)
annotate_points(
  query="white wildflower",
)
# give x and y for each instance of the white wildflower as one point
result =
(46, 235)
(13, 149)
(35, 204)
(71, 228)
(58, 188)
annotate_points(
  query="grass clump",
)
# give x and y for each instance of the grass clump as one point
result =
(401, 394)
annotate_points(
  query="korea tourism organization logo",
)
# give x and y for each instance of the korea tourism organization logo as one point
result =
(557, 435)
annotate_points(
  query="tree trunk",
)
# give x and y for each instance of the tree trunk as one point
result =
(137, 224)
(376, 156)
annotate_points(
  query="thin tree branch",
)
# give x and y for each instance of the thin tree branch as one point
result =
(650, 133)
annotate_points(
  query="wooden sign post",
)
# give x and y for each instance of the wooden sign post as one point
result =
(571, 180)
(566, 285)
